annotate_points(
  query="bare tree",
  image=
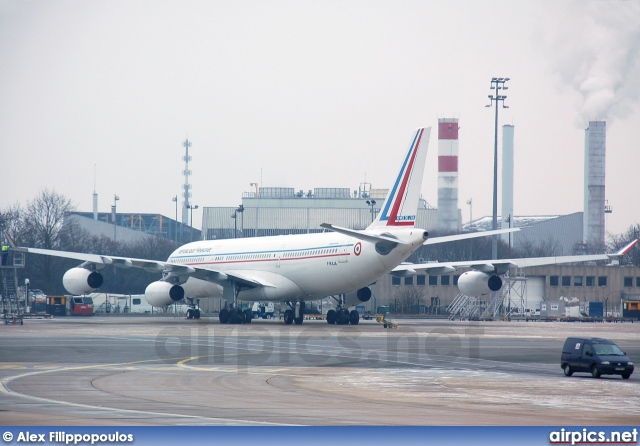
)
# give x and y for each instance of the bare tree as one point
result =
(42, 225)
(409, 299)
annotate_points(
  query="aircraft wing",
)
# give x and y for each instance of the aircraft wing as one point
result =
(374, 238)
(151, 266)
(456, 237)
(501, 266)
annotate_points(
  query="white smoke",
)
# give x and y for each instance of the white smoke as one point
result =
(595, 48)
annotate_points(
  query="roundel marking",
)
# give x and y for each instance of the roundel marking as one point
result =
(357, 248)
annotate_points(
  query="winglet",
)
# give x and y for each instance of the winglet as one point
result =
(10, 239)
(401, 205)
(624, 250)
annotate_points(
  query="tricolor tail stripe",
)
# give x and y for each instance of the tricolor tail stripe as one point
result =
(398, 193)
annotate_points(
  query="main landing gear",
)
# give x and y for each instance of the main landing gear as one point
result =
(341, 315)
(193, 312)
(233, 314)
(294, 313)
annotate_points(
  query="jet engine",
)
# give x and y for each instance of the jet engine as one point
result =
(160, 293)
(476, 283)
(359, 297)
(81, 280)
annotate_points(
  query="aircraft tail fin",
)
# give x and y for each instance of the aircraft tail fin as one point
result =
(401, 205)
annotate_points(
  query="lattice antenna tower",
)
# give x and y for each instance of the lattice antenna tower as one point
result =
(186, 187)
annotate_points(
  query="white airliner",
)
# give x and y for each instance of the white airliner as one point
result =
(300, 268)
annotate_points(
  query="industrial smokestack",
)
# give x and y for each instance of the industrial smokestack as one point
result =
(507, 178)
(448, 175)
(595, 144)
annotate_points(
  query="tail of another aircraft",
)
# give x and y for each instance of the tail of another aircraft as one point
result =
(401, 205)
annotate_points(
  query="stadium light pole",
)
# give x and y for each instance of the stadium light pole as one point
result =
(114, 215)
(497, 84)
(192, 207)
(175, 230)
(371, 203)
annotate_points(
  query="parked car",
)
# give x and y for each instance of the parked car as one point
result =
(597, 356)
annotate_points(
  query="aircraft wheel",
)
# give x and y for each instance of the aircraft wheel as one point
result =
(196, 314)
(248, 316)
(189, 313)
(224, 316)
(343, 317)
(288, 317)
(354, 317)
(331, 317)
(298, 320)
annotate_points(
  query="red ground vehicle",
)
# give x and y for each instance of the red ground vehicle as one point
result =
(81, 306)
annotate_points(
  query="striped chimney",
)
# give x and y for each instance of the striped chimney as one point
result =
(448, 175)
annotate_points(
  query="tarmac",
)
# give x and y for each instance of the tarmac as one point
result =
(150, 370)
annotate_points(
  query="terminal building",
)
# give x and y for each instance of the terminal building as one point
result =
(282, 210)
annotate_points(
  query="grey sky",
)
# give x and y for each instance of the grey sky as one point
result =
(312, 94)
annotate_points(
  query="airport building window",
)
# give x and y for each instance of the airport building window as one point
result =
(421, 280)
(591, 281)
(408, 280)
(455, 279)
(566, 280)
(433, 280)
(395, 280)
(637, 281)
(628, 281)
(602, 280)
(577, 281)
(445, 280)
(553, 280)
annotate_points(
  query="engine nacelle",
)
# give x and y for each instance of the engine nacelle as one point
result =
(476, 283)
(161, 294)
(359, 297)
(81, 281)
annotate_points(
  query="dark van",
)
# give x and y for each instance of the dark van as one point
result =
(596, 356)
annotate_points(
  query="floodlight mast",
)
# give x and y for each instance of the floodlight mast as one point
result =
(497, 83)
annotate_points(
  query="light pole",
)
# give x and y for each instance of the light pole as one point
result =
(175, 230)
(497, 83)
(235, 220)
(192, 207)
(470, 203)
(26, 295)
(113, 215)
(372, 203)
